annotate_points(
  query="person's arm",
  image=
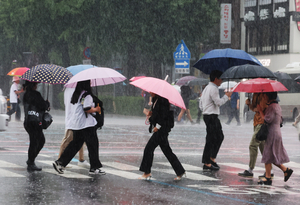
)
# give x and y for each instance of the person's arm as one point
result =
(88, 105)
(216, 98)
(238, 104)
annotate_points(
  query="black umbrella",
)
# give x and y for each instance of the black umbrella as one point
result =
(247, 71)
(198, 81)
(282, 76)
(297, 79)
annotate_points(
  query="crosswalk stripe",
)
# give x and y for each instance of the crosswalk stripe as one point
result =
(8, 164)
(120, 166)
(5, 173)
(69, 166)
(189, 175)
(123, 174)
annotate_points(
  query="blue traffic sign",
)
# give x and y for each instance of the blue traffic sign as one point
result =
(182, 57)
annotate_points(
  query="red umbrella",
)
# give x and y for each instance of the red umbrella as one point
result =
(161, 88)
(259, 85)
(18, 71)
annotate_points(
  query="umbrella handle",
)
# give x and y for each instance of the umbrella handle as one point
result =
(147, 121)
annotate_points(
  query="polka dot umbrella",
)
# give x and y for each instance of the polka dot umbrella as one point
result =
(47, 73)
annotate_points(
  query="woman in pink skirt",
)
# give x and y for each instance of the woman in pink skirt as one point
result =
(274, 152)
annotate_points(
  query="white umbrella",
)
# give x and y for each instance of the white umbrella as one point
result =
(227, 84)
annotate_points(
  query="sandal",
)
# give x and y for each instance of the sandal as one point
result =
(178, 178)
(146, 177)
(265, 181)
(288, 173)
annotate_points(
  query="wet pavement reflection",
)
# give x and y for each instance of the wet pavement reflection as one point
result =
(122, 142)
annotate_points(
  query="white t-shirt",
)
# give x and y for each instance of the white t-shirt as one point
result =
(77, 118)
(13, 97)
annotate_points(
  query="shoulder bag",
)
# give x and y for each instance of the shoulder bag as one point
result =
(263, 132)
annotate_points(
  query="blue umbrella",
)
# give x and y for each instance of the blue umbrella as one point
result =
(74, 69)
(222, 59)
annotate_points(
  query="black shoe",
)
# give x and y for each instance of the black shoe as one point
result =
(265, 181)
(214, 163)
(246, 173)
(212, 168)
(33, 167)
(288, 172)
(263, 176)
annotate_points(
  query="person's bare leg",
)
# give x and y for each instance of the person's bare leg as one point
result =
(188, 114)
(180, 115)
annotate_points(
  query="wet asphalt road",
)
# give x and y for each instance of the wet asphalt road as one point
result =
(122, 141)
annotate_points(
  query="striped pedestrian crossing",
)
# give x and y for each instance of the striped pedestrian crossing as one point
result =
(131, 172)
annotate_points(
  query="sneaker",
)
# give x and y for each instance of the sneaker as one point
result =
(84, 164)
(57, 166)
(263, 176)
(246, 173)
(97, 171)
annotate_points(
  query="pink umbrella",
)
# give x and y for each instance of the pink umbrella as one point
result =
(136, 78)
(161, 88)
(259, 85)
(97, 75)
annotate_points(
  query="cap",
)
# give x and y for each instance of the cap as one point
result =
(15, 78)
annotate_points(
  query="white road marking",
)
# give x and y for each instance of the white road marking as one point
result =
(5, 173)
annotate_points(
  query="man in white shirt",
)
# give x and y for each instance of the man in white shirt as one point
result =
(14, 94)
(210, 105)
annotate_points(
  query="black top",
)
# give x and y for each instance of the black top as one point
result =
(161, 114)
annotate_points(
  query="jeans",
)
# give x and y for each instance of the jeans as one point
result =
(15, 108)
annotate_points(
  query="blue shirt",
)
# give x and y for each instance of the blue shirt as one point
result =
(234, 98)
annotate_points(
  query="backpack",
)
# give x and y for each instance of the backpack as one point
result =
(98, 116)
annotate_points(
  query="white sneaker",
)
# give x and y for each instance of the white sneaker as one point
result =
(84, 164)
(97, 171)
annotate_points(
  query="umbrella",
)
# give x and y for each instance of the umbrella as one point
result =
(259, 85)
(229, 84)
(222, 59)
(297, 79)
(18, 71)
(47, 73)
(136, 78)
(198, 81)
(161, 88)
(184, 80)
(282, 76)
(74, 69)
(177, 87)
(97, 75)
(247, 71)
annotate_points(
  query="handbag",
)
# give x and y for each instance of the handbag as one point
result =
(263, 132)
(47, 120)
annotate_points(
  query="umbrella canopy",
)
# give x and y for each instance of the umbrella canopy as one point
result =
(227, 85)
(259, 85)
(222, 59)
(18, 71)
(184, 80)
(74, 69)
(136, 78)
(247, 71)
(297, 79)
(98, 76)
(161, 88)
(47, 73)
(198, 81)
(282, 76)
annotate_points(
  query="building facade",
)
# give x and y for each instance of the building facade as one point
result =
(269, 31)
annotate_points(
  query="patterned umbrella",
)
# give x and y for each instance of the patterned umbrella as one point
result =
(185, 79)
(18, 71)
(47, 73)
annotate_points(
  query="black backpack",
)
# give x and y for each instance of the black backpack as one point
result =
(99, 117)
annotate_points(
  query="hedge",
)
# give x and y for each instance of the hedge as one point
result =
(128, 105)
